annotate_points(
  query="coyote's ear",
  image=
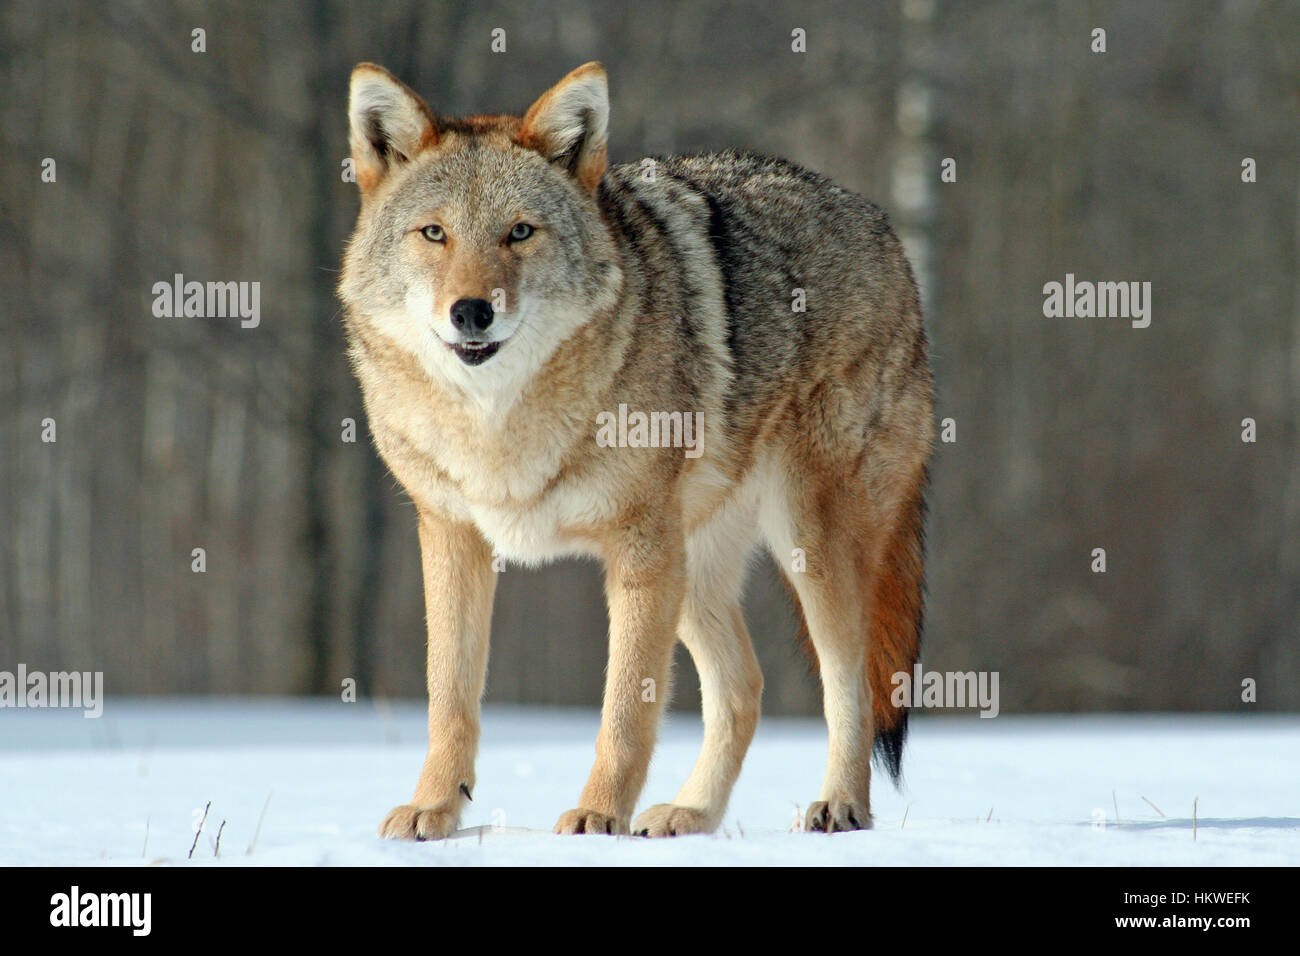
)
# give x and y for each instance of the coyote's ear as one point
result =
(569, 123)
(389, 123)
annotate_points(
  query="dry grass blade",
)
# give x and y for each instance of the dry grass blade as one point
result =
(199, 831)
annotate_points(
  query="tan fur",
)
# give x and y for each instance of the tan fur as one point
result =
(458, 586)
(816, 428)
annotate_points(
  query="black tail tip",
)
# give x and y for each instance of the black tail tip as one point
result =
(888, 749)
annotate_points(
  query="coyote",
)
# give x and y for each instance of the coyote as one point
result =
(506, 290)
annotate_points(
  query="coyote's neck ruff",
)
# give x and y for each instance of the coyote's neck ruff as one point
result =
(509, 295)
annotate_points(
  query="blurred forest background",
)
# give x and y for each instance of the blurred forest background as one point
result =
(1072, 434)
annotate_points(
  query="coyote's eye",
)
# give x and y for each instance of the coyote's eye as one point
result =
(520, 232)
(433, 233)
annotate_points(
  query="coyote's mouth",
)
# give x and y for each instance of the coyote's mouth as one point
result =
(475, 353)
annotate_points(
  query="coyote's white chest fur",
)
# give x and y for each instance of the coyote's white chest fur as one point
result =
(516, 497)
(541, 531)
(528, 512)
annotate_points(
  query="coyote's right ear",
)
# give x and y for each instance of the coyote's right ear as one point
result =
(389, 123)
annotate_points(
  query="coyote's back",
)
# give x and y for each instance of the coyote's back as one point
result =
(810, 273)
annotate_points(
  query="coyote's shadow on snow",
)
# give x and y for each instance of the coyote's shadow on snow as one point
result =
(1207, 823)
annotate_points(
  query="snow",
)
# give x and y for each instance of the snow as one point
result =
(1015, 790)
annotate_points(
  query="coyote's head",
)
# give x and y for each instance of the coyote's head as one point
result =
(479, 247)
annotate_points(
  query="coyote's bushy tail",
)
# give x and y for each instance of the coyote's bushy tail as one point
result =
(897, 618)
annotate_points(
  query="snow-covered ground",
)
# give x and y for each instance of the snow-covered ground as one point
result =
(127, 789)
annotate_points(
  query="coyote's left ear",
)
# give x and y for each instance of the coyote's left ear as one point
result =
(569, 123)
(389, 124)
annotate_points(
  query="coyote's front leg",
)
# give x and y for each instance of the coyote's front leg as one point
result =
(458, 588)
(644, 584)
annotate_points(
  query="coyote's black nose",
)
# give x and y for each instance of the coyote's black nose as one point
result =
(471, 316)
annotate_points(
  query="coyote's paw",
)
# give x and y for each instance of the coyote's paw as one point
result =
(589, 821)
(837, 816)
(418, 823)
(668, 819)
